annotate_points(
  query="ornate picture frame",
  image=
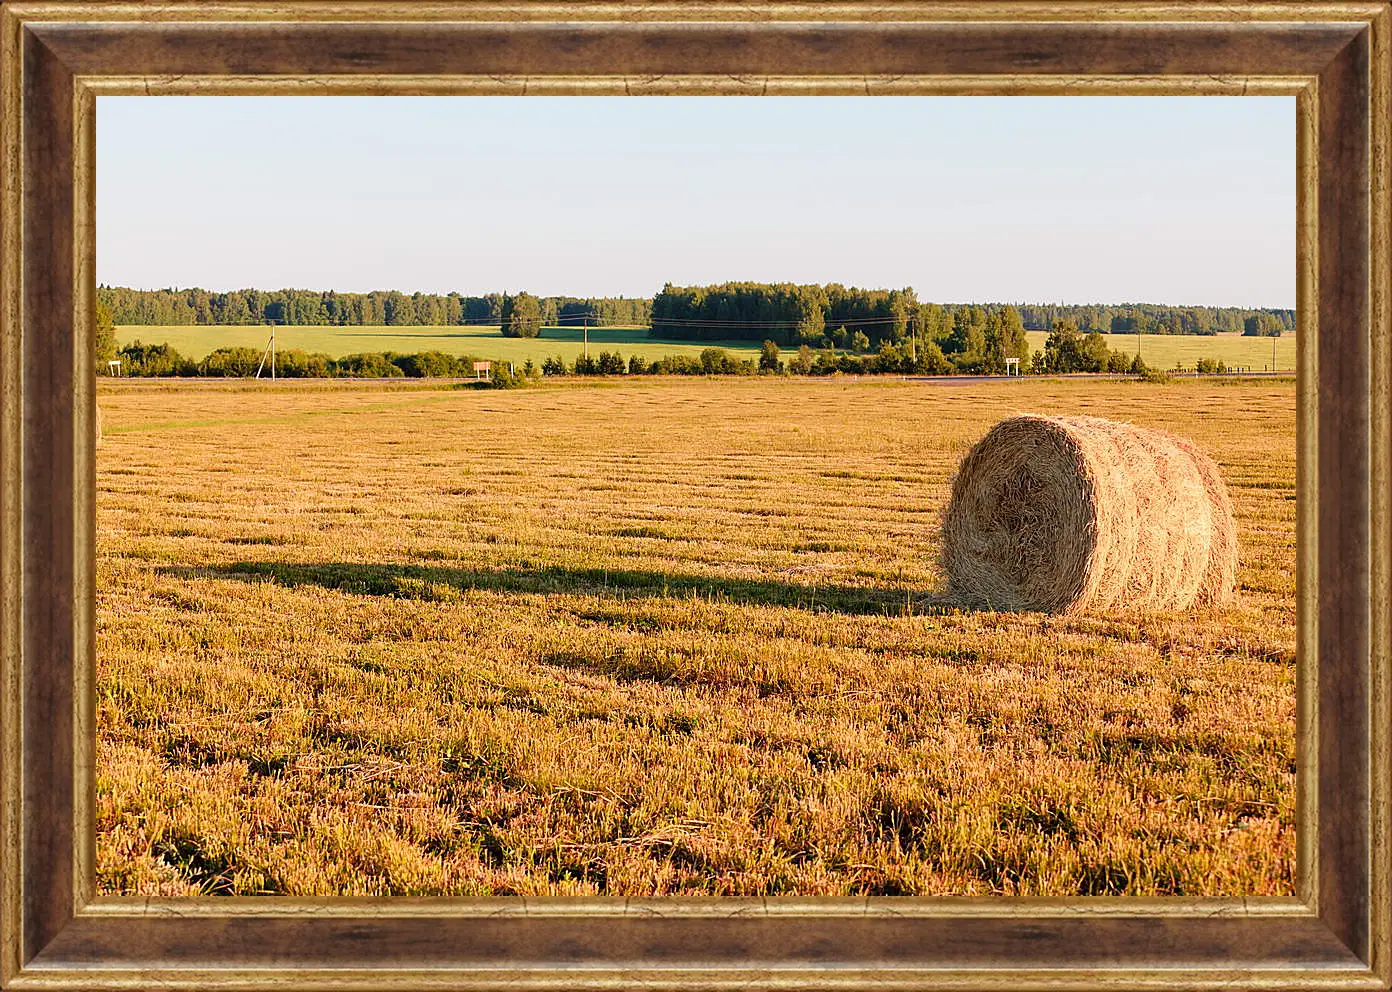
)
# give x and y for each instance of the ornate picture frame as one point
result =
(56, 57)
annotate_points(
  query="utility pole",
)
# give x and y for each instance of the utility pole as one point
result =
(269, 352)
(587, 335)
(1273, 353)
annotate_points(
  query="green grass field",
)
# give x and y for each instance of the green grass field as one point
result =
(196, 341)
(1164, 350)
(659, 637)
(486, 342)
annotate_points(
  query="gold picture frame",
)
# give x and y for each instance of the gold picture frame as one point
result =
(56, 57)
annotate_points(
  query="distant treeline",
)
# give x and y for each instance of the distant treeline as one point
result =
(379, 308)
(827, 316)
(834, 315)
(1153, 318)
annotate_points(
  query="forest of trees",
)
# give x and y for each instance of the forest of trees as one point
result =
(520, 316)
(833, 328)
(380, 308)
(783, 312)
(832, 316)
(863, 319)
(915, 336)
(1266, 324)
(1151, 318)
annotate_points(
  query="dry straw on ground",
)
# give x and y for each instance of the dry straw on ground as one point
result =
(1060, 514)
(659, 638)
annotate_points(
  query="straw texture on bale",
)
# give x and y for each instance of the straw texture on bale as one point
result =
(1059, 514)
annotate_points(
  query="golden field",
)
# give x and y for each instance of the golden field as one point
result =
(658, 637)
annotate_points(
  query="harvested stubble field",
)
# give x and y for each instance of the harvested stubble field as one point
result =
(659, 637)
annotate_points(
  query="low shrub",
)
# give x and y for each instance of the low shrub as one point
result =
(154, 360)
(232, 363)
(368, 365)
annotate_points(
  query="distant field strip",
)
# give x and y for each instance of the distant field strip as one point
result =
(1164, 350)
(659, 637)
(195, 341)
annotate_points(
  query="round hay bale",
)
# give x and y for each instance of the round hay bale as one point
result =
(1059, 514)
(1219, 584)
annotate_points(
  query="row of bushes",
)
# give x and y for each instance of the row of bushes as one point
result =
(890, 359)
(719, 361)
(161, 360)
(712, 361)
(1066, 351)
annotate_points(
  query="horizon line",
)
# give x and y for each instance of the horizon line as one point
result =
(596, 296)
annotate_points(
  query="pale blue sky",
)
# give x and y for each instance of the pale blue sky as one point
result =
(1074, 199)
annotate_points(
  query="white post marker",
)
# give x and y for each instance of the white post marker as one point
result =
(1012, 366)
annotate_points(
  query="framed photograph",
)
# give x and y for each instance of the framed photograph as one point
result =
(589, 890)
